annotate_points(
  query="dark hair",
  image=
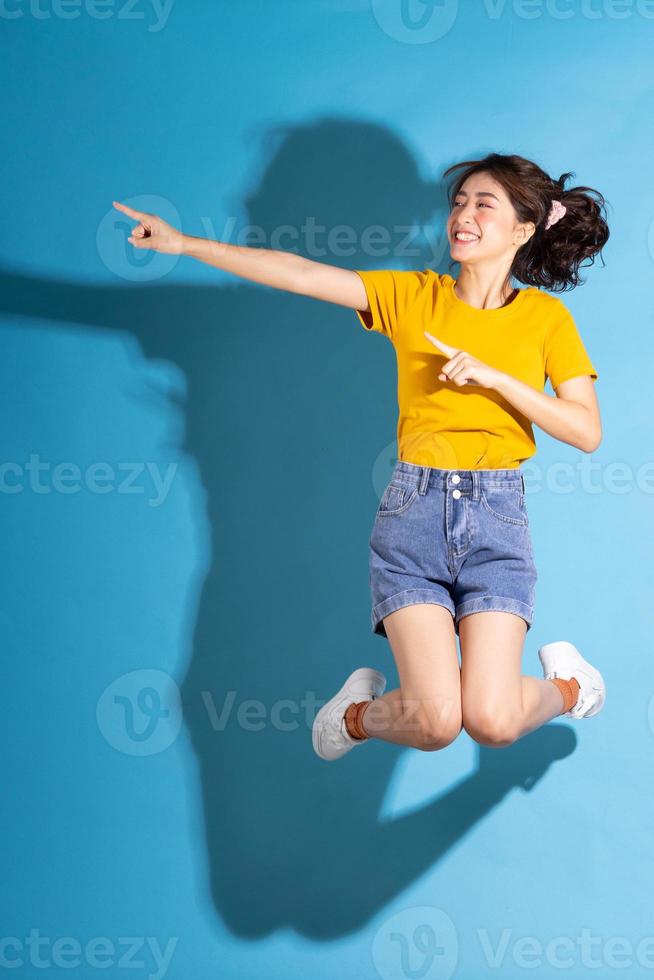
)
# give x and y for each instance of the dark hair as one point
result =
(552, 256)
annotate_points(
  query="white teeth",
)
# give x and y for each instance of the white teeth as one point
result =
(466, 236)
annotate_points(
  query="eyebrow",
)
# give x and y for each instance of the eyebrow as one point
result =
(479, 194)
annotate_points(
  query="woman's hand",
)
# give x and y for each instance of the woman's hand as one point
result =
(153, 232)
(463, 368)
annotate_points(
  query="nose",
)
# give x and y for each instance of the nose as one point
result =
(463, 215)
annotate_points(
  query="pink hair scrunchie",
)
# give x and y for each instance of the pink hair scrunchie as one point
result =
(556, 213)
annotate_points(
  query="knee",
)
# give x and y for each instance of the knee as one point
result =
(430, 723)
(432, 737)
(491, 728)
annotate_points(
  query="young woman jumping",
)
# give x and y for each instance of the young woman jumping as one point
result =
(450, 549)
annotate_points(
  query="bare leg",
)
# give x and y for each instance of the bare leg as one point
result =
(425, 711)
(499, 704)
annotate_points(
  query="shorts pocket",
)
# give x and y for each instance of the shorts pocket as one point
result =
(505, 504)
(396, 499)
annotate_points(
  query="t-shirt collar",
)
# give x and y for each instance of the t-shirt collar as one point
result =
(463, 307)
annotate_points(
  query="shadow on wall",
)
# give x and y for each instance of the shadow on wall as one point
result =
(288, 403)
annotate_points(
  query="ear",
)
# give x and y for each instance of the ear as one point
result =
(524, 232)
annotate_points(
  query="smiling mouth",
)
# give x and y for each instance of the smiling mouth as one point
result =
(466, 241)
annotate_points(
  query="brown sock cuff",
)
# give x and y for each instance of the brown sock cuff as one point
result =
(354, 719)
(569, 690)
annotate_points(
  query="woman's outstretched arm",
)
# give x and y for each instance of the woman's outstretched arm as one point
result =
(270, 267)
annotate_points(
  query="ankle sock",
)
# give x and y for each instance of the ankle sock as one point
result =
(353, 720)
(569, 690)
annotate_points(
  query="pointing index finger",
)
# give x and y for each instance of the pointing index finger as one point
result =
(449, 351)
(137, 215)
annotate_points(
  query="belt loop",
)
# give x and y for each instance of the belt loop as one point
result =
(424, 479)
(475, 484)
(522, 481)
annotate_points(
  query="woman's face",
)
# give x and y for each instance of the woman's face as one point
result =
(483, 212)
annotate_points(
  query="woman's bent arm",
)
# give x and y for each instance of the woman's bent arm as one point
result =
(572, 415)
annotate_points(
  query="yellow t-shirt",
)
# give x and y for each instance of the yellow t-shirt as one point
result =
(467, 427)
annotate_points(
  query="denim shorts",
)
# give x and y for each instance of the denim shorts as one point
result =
(458, 538)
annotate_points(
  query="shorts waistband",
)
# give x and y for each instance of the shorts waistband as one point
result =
(469, 481)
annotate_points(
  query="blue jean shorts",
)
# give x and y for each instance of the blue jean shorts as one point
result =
(458, 538)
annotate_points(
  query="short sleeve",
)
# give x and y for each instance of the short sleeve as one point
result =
(391, 293)
(565, 355)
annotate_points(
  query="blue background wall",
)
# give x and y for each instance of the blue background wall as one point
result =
(192, 465)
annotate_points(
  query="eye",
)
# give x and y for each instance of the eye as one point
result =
(483, 204)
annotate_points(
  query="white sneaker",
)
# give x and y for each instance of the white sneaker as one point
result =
(562, 659)
(330, 737)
